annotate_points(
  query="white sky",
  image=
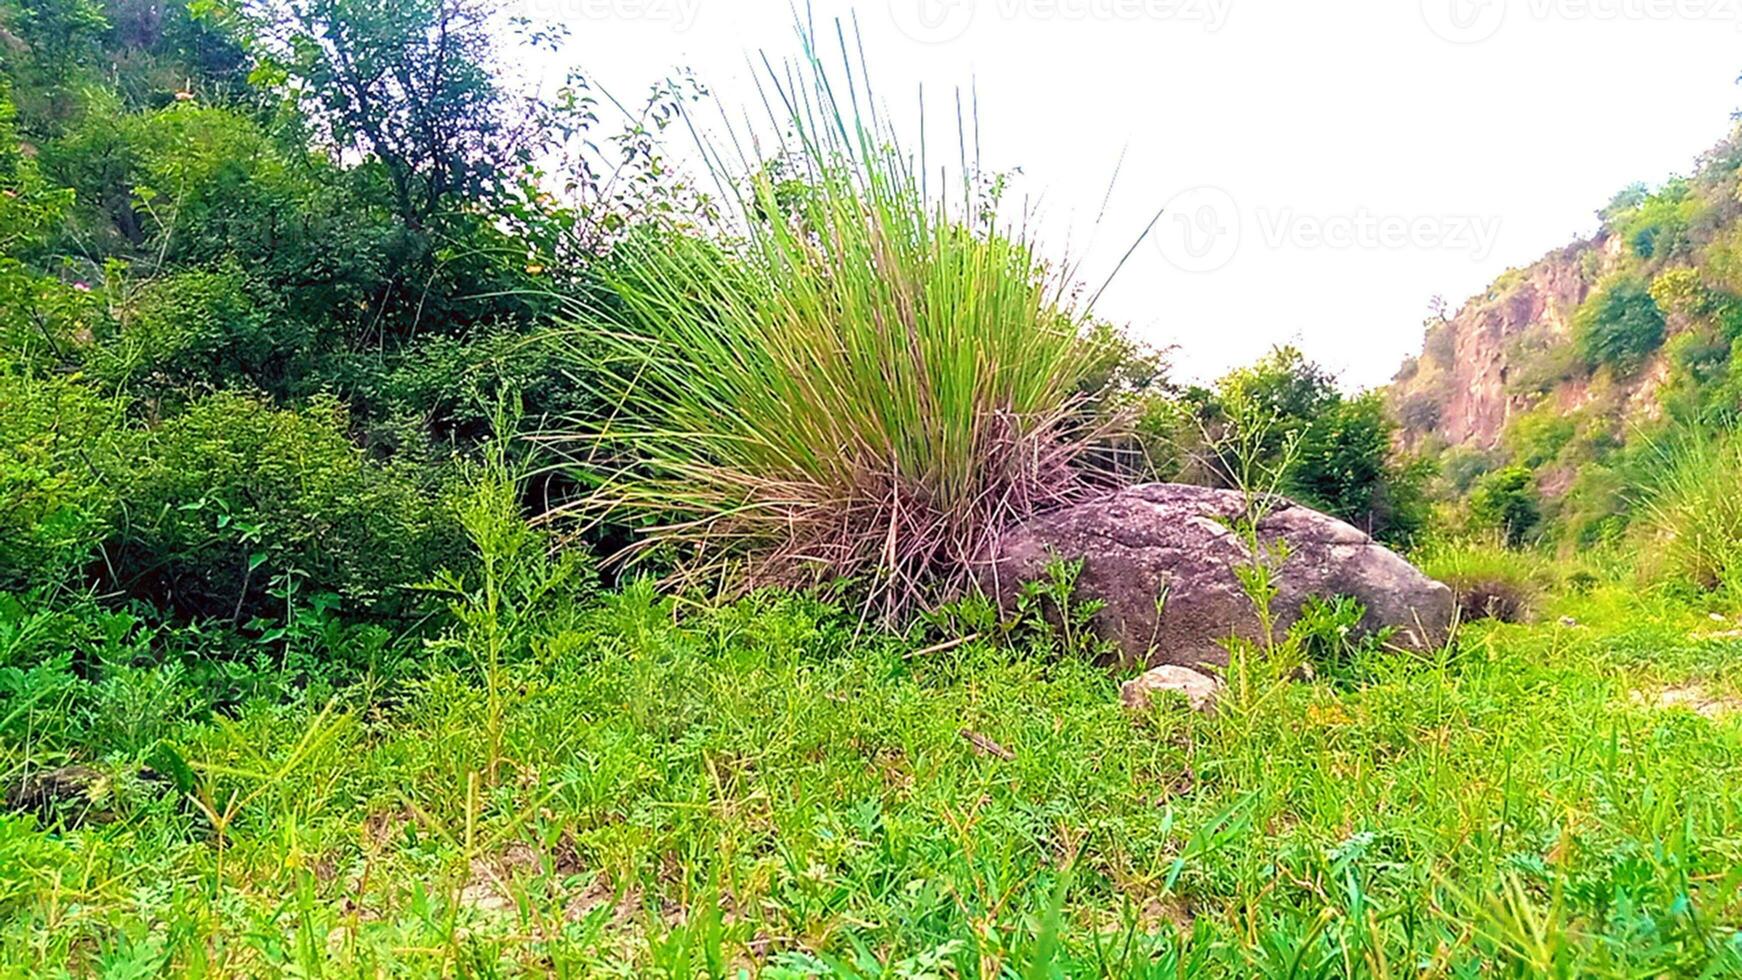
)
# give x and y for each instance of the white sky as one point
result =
(1331, 166)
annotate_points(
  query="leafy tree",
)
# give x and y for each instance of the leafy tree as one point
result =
(1505, 501)
(407, 84)
(1619, 326)
(1345, 466)
(1338, 449)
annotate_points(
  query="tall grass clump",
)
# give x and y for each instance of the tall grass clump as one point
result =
(858, 378)
(1694, 514)
(1489, 579)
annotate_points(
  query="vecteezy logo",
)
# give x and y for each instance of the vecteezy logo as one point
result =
(1199, 230)
(1464, 21)
(932, 21)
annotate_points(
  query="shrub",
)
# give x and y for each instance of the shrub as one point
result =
(443, 388)
(872, 384)
(1619, 325)
(58, 439)
(1461, 466)
(1490, 580)
(1334, 452)
(1657, 225)
(234, 504)
(1505, 502)
(201, 330)
(1345, 466)
(1693, 518)
(1537, 437)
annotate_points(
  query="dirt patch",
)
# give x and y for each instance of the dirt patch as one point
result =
(1691, 697)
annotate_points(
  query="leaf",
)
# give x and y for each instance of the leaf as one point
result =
(166, 759)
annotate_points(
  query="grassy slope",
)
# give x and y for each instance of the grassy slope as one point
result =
(1514, 802)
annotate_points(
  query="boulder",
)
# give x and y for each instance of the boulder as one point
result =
(1145, 541)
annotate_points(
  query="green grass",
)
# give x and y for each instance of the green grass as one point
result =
(759, 787)
(1693, 516)
(1490, 580)
(855, 376)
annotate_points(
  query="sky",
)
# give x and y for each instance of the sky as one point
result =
(1323, 169)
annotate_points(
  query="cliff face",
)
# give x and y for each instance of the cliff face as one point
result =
(1502, 352)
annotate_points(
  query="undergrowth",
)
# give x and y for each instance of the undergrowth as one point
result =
(625, 790)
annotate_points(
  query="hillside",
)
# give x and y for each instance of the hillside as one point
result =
(1598, 348)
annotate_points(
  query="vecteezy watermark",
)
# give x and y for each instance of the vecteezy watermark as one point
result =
(1199, 229)
(680, 15)
(1464, 21)
(1470, 21)
(941, 21)
(1363, 229)
(1202, 229)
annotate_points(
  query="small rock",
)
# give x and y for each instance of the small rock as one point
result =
(1199, 689)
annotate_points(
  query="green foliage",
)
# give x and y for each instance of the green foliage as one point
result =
(1330, 637)
(1345, 467)
(651, 764)
(1505, 502)
(1461, 466)
(1536, 437)
(410, 85)
(872, 386)
(1489, 579)
(1619, 325)
(58, 454)
(441, 388)
(1339, 449)
(1657, 226)
(234, 508)
(199, 331)
(1693, 513)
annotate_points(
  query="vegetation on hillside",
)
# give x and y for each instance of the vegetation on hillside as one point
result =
(1644, 365)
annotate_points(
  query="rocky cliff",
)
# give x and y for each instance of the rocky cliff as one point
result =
(1483, 365)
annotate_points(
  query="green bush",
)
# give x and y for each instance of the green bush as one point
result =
(1345, 467)
(1537, 437)
(1335, 451)
(233, 504)
(1462, 466)
(1619, 325)
(1505, 501)
(443, 388)
(1657, 226)
(199, 331)
(59, 445)
(1490, 580)
(1693, 517)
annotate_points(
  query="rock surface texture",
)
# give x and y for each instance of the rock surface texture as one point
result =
(1199, 690)
(1138, 542)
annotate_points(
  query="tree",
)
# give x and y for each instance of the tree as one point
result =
(1620, 325)
(407, 84)
(1505, 501)
(1336, 450)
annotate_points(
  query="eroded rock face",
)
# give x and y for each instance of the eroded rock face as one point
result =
(1137, 542)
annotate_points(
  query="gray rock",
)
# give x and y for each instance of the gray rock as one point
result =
(1200, 690)
(1136, 542)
